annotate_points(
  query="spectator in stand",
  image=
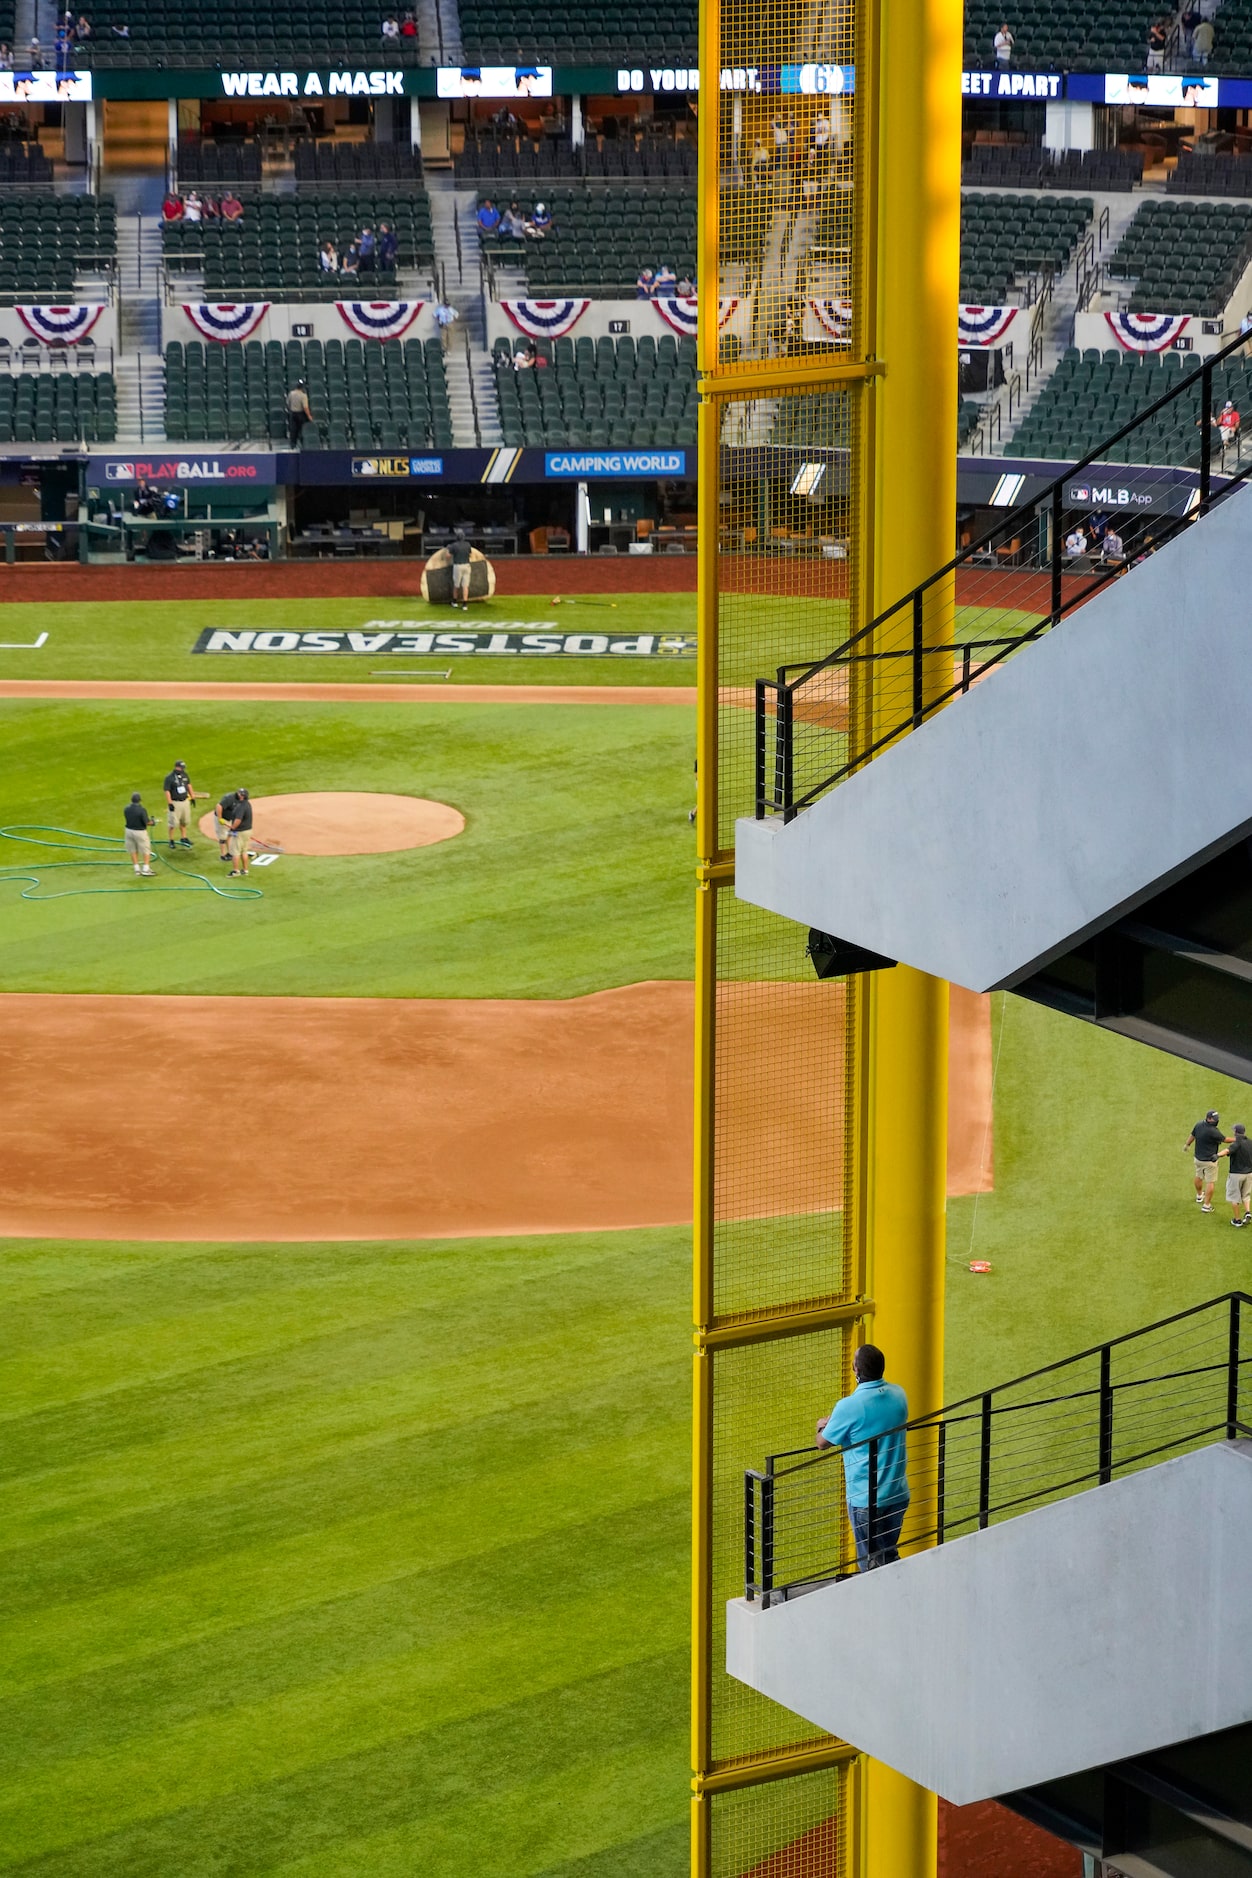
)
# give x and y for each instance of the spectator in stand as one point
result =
(645, 286)
(820, 136)
(1002, 45)
(193, 208)
(524, 361)
(686, 289)
(1227, 422)
(1112, 550)
(488, 217)
(172, 209)
(391, 27)
(388, 248)
(299, 412)
(782, 140)
(120, 32)
(1202, 42)
(6, 58)
(36, 56)
(82, 32)
(760, 164)
(351, 262)
(365, 247)
(1076, 542)
(212, 211)
(231, 207)
(1158, 39)
(512, 222)
(446, 318)
(664, 281)
(328, 258)
(408, 27)
(540, 223)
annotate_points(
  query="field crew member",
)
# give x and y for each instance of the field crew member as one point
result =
(179, 796)
(222, 814)
(1207, 1140)
(240, 834)
(1239, 1177)
(460, 552)
(138, 841)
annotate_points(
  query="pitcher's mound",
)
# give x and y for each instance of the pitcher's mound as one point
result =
(344, 822)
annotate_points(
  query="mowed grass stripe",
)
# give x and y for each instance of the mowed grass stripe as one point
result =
(361, 1584)
(322, 1817)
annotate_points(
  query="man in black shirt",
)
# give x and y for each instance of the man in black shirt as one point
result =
(222, 817)
(240, 834)
(138, 841)
(1207, 1139)
(179, 796)
(461, 553)
(1239, 1175)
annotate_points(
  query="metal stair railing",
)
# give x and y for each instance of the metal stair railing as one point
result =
(1166, 468)
(1169, 1388)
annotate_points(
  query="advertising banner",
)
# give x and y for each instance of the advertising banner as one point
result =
(228, 469)
(422, 639)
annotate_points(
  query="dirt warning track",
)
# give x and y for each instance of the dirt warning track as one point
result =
(361, 1118)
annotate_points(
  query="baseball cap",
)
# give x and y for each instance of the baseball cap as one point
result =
(134, 795)
(1212, 1116)
(244, 794)
(180, 764)
(1240, 1129)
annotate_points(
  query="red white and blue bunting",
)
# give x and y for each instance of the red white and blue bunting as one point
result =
(983, 325)
(545, 319)
(225, 320)
(1147, 332)
(379, 319)
(60, 325)
(834, 317)
(683, 315)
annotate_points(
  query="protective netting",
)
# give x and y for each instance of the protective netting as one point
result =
(793, 1828)
(766, 1397)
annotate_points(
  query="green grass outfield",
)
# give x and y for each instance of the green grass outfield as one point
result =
(573, 873)
(331, 1560)
(152, 639)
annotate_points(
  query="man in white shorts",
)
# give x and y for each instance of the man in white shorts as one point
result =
(1239, 1175)
(179, 796)
(138, 841)
(1207, 1139)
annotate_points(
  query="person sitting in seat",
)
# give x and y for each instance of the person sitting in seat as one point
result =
(524, 361)
(212, 212)
(1076, 542)
(488, 217)
(512, 222)
(645, 286)
(664, 281)
(351, 262)
(686, 289)
(408, 26)
(172, 209)
(231, 207)
(82, 30)
(1111, 548)
(539, 221)
(391, 27)
(328, 258)
(193, 208)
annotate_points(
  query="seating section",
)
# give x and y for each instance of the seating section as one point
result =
(820, 422)
(599, 392)
(218, 32)
(213, 165)
(1091, 395)
(1030, 166)
(600, 239)
(1201, 175)
(578, 32)
(24, 163)
(353, 165)
(46, 241)
(57, 407)
(1061, 35)
(271, 253)
(511, 162)
(1003, 237)
(1184, 257)
(968, 413)
(364, 395)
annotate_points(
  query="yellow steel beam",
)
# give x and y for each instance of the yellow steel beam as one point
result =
(784, 1766)
(773, 1324)
(762, 378)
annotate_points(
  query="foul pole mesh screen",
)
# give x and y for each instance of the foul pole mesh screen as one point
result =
(786, 350)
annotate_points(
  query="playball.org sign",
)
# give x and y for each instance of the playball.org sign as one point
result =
(256, 469)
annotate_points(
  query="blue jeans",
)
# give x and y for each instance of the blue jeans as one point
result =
(883, 1549)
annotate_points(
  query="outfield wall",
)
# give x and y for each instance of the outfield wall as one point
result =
(298, 580)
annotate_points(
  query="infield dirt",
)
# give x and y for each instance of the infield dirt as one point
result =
(315, 1118)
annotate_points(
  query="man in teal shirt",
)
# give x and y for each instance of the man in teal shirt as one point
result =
(875, 1408)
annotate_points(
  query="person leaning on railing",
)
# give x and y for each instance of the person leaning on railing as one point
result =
(868, 1426)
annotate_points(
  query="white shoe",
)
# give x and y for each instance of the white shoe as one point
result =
(146, 872)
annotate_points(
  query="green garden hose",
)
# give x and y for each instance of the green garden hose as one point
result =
(109, 851)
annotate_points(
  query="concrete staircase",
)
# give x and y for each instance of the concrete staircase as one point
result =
(140, 382)
(458, 269)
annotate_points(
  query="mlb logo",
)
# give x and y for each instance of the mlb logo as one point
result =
(1082, 495)
(119, 472)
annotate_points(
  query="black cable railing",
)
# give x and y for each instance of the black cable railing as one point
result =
(819, 722)
(1164, 1390)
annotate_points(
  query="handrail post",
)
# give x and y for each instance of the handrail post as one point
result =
(941, 1483)
(984, 1466)
(749, 1536)
(919, 640)
(1206, 424)
(785, 763)
(1055, 546)
(1232, 1373)
(767, 1532)
(1106, 1415)
(759, 753)
(871, 1511)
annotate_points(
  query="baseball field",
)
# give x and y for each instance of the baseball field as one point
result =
(344, 1304)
